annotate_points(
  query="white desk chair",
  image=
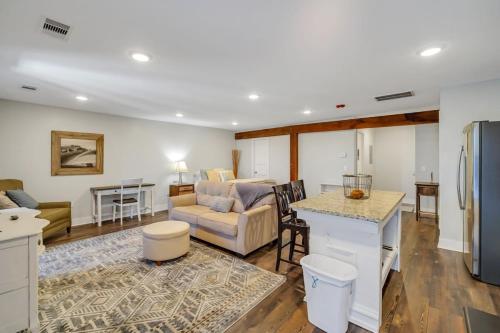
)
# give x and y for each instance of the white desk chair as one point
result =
(131, 186)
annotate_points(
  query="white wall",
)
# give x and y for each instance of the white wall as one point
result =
(324, 157)
(132, 148)
(427, 159)
(279, 158)
(394, 160)
(458, 107)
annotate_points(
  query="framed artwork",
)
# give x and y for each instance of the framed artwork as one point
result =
(75, 153)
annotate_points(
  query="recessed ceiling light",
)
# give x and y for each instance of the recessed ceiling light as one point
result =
(140, 57)
(179, 115)
(82, 98)
(430, 51)
(253, 97)
(307, 112)
(234, 123)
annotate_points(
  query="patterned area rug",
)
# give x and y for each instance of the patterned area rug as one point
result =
(102, 284)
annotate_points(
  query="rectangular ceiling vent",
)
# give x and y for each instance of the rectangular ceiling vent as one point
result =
(29, 88)
(56, 29)
(395, 96)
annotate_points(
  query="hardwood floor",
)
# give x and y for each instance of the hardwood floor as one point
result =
(428, 295)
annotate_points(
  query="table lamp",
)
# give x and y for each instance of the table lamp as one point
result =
(180, 167)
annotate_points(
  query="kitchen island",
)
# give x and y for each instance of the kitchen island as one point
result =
(365, 233)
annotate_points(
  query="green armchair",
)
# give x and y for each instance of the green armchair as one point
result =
(57, 213)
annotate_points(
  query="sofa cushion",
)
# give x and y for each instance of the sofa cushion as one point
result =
(238, 205)
(54, 214)
(222, 204)
(22, 199)
(188, 214)
(213, 188)
(224, 223)
(5, 201)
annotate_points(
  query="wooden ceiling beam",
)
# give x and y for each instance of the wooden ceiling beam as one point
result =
(402, 119)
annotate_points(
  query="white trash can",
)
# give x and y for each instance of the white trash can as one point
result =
(328, 283)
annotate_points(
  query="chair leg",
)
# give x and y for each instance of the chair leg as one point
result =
(139, 212)
(121, 215)
(114, 213)
(305, 241)
(68, 229)
(278, 256)
(293, 238)
(131, 212)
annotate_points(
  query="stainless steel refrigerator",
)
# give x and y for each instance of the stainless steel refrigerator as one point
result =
(478, 189)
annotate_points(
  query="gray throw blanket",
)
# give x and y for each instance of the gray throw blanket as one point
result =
(250, 194)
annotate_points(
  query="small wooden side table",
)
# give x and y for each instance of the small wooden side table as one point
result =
(180, 189)
(427, 189)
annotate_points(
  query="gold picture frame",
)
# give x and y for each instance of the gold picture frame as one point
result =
(75, 153)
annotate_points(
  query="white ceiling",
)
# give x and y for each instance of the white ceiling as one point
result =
(207, 56)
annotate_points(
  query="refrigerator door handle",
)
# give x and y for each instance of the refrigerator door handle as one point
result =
(459, 174)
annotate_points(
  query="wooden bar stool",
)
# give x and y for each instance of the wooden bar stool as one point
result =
(287, 220)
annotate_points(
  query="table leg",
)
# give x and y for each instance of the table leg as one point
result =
(92, 202)
(152, 202)
(436, 207)
(418, 206)
(99, 210)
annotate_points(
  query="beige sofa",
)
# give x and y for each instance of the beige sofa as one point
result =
(239, 231)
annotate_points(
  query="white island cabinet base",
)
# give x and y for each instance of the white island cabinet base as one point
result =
(19, 247)
(360, 243)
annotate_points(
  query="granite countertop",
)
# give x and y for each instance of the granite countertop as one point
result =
(375, 209)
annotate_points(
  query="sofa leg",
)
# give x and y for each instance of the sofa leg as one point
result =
(68, 230)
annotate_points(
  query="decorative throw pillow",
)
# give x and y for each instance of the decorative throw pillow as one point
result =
(204, 199)
(22, 199)
(203, 174)
(5, 201)
(213, 175)
(226, 175)
(222, 204)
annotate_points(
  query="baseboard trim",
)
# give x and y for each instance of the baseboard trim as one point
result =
(77, 221)
(364, 317)
(450, 244)
(407, 207)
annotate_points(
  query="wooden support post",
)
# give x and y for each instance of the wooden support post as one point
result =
(294, 155)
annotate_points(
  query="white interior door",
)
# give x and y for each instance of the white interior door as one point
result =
(360, 152)
(260, 158)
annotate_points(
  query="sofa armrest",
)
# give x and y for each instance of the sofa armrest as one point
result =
(253, 213)
(255, 228)
(47, 205)
(182, 200)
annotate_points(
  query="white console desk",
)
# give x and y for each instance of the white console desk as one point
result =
(97, 193)
(20, 242)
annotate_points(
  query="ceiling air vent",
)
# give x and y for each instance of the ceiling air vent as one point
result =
(29, 88)
(56, 29)
(394, 96)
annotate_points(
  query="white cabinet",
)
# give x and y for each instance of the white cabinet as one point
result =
(18, 284)
(19, 245)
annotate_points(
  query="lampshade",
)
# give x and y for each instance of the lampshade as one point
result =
(181, 166)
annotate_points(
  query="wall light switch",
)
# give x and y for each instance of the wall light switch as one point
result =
(342, 155)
